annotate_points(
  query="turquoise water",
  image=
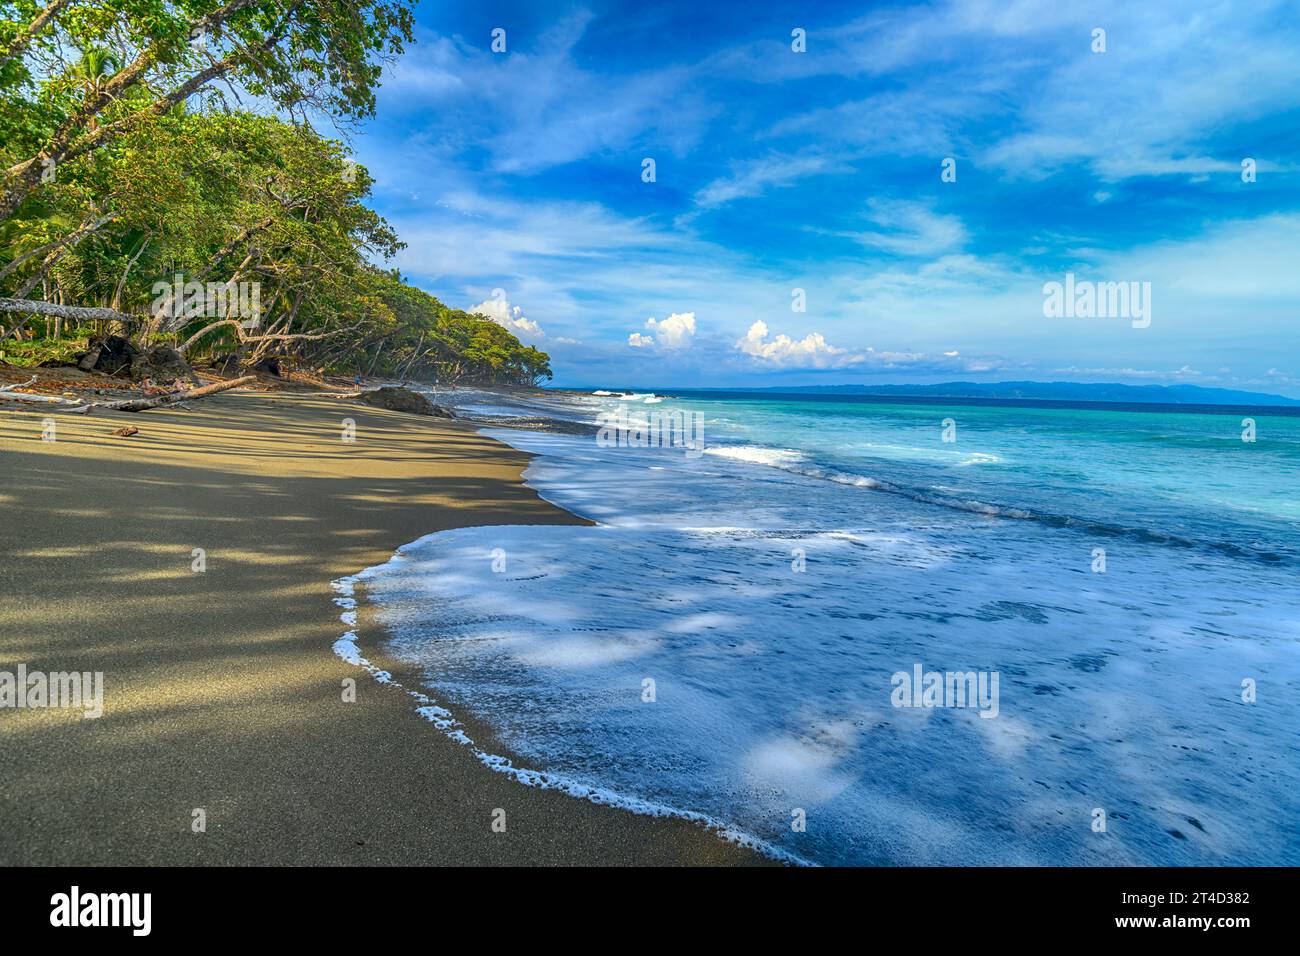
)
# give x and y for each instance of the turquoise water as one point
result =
(1172, 474)
(1131, 578)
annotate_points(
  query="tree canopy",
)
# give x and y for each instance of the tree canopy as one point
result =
(138, 183)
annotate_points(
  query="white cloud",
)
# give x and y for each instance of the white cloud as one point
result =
(639, 341)
(1147, 107)
(541, 104)
(812, 351)
(675, 332)
(580, 266)
(499, 310)
(911, 229)
(754, 177)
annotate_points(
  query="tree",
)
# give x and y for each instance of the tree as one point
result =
(322, 54)
(163, 217)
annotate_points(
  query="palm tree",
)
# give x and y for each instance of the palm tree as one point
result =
(96, 68)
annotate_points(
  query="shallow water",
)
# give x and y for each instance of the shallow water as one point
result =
(771, 588)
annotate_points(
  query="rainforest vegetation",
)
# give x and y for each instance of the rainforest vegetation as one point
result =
(164, 182)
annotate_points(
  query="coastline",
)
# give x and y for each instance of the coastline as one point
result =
(223, 693)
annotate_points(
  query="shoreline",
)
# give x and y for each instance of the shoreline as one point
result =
(223, 693)
(360, 617)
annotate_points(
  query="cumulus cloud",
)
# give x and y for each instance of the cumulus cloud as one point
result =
(500, 311)
(675, 332)
(812, 351)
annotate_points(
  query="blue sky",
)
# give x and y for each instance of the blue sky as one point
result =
(776, 170)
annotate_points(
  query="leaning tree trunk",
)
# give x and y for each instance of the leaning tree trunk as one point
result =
(34, 307)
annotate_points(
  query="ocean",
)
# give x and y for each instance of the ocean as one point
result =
(744, 636)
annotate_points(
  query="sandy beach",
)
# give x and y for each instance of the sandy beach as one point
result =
(222, 692)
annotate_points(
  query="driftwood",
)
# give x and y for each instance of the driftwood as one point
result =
(141, 404)
(65, 404)
(7, 393)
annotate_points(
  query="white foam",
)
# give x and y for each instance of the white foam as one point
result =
(443, 719)
(756, 454)
(772, 687)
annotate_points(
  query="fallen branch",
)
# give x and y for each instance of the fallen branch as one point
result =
(129, 405)
(23, 398)
(141, 404)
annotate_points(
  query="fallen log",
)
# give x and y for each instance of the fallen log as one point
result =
(141, 404)
(7, 394)
(62, 404)
(130, 405)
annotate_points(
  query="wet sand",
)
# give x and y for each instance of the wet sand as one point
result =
(222, 692)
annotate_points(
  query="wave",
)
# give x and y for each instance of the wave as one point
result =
(979, 458)
(442, 719)
(797, 463)
(755, 454)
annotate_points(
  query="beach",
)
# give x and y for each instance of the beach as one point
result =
(1100, 591)
(221, 691)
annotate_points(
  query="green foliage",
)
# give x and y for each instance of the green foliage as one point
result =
(157, 189)
(447, 345)
(29, 354)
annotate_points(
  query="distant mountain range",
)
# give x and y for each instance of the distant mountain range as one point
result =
(1052, 391)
